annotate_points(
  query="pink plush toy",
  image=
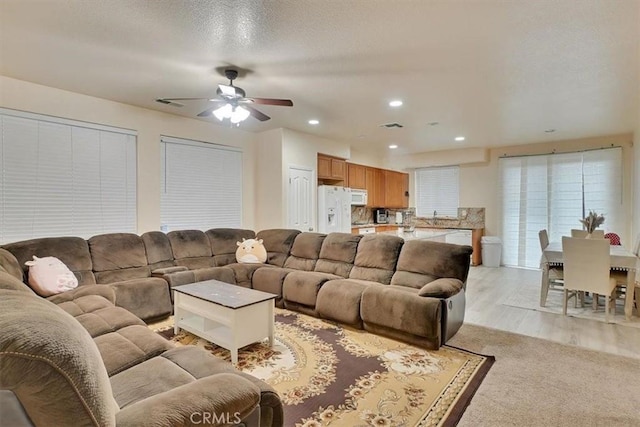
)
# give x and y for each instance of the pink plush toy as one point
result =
(49, 276)
(251, 251)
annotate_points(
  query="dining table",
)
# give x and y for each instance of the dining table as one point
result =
(620, 259)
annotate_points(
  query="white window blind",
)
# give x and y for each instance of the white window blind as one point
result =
(437, 190)
(201, 185)
(61, 178)
(554, 192)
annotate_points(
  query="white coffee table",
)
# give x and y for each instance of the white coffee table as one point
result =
(227, 315)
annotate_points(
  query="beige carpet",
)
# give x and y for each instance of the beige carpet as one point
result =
(539, 383)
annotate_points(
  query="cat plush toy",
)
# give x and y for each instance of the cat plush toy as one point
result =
(251, 251)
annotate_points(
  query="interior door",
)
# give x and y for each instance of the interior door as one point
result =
(300, 199)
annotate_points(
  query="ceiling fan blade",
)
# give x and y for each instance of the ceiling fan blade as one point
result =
(257, 114)
(208, 112)
(271, 101)
(181, 99)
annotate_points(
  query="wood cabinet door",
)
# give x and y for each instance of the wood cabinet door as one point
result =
(376, 195)
(338, 169)
(356, 176)
(394, 189)
(324, 167)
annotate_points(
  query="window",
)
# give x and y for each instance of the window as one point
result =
(437, 191)
(554, 192)
(201, 185)
(62, 177)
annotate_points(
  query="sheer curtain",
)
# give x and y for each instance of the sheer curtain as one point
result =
(554, 192)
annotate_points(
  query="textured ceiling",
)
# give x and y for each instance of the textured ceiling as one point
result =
(497, 72)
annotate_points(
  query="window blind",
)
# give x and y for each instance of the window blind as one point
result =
(437, 189)
(554, 192)
(64, 178)
(201, 185)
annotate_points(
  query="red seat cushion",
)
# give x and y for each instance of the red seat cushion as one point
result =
(613, 238)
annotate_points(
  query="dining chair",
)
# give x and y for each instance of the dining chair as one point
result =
(555, 278)
(621, 276)
(597, 234)
(614, 239)
(587, 269)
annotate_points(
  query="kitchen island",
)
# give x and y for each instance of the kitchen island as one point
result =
(445, 235)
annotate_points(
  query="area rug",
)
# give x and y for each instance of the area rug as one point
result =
(528, 298)
(329, 374)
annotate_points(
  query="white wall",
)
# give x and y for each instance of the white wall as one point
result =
(270, 202)
(25, 96)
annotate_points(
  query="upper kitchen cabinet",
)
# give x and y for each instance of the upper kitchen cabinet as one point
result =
(357, 176)
(331, 169)
(375, 188)
(396, 189)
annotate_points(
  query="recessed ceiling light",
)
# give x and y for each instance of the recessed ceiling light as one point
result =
(393, 146)
(459, 138)
(314, 122)
(395, 103)
(550, 130)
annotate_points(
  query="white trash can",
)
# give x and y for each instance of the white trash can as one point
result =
(491, 251)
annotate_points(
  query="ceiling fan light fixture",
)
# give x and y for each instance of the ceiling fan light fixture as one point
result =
(239, 114)
(223, 112)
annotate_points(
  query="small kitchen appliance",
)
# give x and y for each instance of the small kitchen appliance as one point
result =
(380, 216)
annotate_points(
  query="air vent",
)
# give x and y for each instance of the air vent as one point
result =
(166, 102)
(391, 125)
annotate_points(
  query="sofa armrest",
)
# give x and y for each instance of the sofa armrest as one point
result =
(159, 272)
(101, 290)
(216, 400)
(441, 288)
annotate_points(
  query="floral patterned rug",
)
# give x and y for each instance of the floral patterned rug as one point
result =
(329, 374)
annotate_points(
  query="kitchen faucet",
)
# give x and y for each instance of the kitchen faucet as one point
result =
(434, 217)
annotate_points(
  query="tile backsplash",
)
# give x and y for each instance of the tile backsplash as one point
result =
(467, 218)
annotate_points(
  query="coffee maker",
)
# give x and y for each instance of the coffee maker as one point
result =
(380, 216)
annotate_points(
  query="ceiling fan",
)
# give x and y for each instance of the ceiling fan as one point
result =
(231, 102)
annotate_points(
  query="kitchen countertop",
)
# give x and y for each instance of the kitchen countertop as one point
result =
(419, 233)
(434, 227)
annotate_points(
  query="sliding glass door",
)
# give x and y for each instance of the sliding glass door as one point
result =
(554, 192)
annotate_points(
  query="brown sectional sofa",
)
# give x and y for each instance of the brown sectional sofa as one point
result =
(413, 291)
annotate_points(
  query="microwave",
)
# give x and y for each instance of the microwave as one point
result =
(358, 197)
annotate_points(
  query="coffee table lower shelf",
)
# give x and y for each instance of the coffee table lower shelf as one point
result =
(230, 328)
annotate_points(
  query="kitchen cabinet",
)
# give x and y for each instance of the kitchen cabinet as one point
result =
(357, 176)
(476, 237)
(381, 228)
(331, 168)
(396, 189)
(376, 193)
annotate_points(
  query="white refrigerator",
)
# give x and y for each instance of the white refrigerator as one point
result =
(334, 209)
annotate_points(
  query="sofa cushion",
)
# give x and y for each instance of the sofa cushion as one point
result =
(9, 282)
(278, 243)
(52, 364)
(340, 300)
(72, 251)
(191, 248)
(376, 258)
(118, 256)
(129, 346)
(270, 280)
(10, 264)
(302, 287)
(434, 260)
(305, 251)
(223, 243)
(158, 249)
(146, 298)
(338, 253)
(441, 288)
(104, 291)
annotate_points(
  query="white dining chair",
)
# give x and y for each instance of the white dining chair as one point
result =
(587, 269)
(554, 279)
(597, 234)
(621, 276)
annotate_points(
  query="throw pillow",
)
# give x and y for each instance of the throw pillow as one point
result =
(441, 288)
(49, 276)
(251, 251)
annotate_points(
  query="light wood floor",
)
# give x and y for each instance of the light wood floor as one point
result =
(489, 288)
